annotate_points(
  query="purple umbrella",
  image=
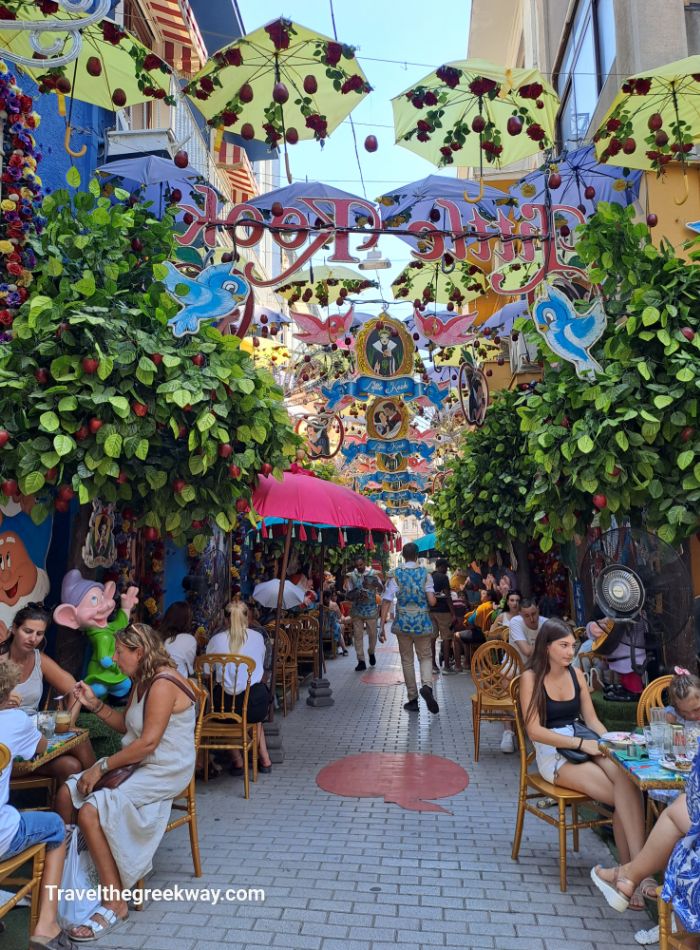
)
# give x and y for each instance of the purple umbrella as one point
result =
(293, 196)
(503, 319)
(155, 178)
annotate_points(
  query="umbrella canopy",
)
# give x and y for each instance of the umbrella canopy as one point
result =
(432, 282)
(426, 543)
(113, 70)
(294, 196)
(578, 179)
(417, 202)
(472, 112)
(282, 82)
(302, 497)
(267, 594)
(502, 320)
(150, 170)
(263, 316)
(654, 119)
(322, 285)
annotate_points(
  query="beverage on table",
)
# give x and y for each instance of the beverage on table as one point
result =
(62, 722)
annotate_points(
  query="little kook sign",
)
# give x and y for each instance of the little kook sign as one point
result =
(528, 241)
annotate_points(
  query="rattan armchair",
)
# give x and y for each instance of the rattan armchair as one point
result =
(650, 698)
(493, 665)
(533, 786)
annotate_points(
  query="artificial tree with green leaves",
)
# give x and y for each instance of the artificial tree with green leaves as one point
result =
(98, 399)
(626, 443)
(480, 507)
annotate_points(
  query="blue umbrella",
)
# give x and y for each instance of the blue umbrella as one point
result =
(426, 543)
(154, 179)
(274, 317)
(578, 171)
(416, 201)
(503, 319)
(292, 196)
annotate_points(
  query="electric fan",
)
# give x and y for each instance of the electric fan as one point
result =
(641, 584)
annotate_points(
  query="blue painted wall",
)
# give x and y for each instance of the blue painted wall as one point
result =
(50, 134)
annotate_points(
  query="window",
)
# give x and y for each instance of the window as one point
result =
(587, 60)
(140, 116)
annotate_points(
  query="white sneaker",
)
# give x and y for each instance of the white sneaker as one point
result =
(648, 937)
(507, 742)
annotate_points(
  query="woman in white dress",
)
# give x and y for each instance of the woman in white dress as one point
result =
(123, 826)
(175, 630)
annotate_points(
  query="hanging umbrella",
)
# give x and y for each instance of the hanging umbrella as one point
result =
(323, 285)
(426, 543)
(299, 194)
(264, 316)
(267, 594)
(156, 180)
(470, 112)
(281, 83)
(654, 119)
(113, 70)
(578, 179)
(433, 282)
(502, 320)
(417, 202)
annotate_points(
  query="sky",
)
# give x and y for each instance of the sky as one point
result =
(418, 42)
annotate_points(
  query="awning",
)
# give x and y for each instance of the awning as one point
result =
(184, 48)
(233, 161)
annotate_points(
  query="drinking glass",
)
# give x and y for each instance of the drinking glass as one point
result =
(657, 714)
(46, 723)
(655, 742)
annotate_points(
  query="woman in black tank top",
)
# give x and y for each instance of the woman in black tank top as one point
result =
(553, 696)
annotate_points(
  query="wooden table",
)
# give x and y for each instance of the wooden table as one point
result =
(58, 746)
(646, 773)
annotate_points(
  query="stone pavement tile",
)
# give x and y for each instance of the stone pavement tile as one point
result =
(336, 867)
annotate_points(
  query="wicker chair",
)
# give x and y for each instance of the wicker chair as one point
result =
(287, 677)
(493, 665)
(308, 649)
(651, 697)
(532, 785)
(27, 885)
(222, 728)
(681, 940)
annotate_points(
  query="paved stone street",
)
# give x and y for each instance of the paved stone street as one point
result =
(359, 874)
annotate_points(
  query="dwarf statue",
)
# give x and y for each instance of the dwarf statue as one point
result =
(86, 605)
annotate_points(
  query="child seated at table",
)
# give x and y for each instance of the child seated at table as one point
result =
(684, 694)
(21, 830)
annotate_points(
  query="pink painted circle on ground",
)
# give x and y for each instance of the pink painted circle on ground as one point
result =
(408, 779)
(383, 678)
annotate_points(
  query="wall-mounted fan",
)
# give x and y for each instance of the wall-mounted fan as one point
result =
(640, 583)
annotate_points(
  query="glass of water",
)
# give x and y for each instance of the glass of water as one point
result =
(655, 741)
(46, 724)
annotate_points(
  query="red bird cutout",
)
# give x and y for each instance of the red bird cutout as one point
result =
(323, 332)
(448, 333)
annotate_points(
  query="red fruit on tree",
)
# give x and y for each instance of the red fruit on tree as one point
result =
(156, 358)
(554, 180)
(225, 450)
(198, 359)
(292, 136)
(629, 146)
(94, 425)
(94, 66)
(234, 471)
(175, 195)
(277, 209)
(245, 93)
(150, 534)
(63, 85)
(280, 93)
(181, 159)
(10, 487)
(179, 485)
(41, 376)
(66, 492)
(655, 122)
(688, 333)
(687, 433)
(139, 409)
(119, 98)
(652, 220)
(661, 138)
(478, 123)
(247, 131)
(266, 469)
(197, 525)
(242, 506)
(81, 434)
(589, 192)
(600, 501)
(4, 437)
(310, 85)
(371, 143)
(90, 365)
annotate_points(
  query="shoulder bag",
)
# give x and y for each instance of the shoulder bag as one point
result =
(581, 731)
(116, 777)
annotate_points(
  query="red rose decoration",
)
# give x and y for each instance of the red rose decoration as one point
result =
(333, 53)
(151, 62)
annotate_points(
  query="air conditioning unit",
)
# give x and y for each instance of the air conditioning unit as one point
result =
(123, 143)
(523, 356)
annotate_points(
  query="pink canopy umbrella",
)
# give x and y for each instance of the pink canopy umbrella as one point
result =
(303, 497)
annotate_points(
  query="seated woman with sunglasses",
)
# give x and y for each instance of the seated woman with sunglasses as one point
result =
(123, 818)
(24, 647)
(555, 704)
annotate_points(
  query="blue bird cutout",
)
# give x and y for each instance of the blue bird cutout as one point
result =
(570, 334)
(212, 295)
